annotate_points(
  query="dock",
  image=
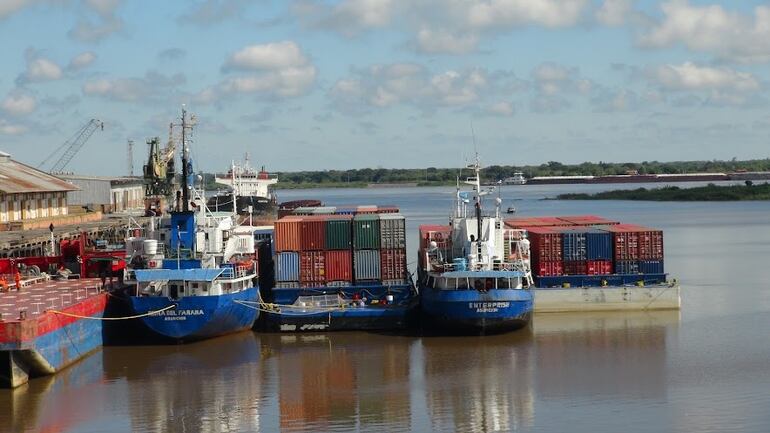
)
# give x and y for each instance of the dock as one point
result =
(47, 325)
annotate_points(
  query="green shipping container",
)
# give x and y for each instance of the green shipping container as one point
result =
(366, 232)
(338, 234)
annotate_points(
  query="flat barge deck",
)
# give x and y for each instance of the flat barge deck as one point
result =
(47, 325)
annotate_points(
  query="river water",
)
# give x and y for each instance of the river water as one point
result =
(704, 369)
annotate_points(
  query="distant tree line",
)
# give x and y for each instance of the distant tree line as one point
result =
(443, 176)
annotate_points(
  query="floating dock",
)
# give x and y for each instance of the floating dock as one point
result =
(47, 325)
(664, 296)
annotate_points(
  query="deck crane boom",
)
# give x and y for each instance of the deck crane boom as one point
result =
(72, 146)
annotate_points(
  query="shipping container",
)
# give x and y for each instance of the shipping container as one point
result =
(392, 231)
(345, 210)
(650, 244)
(587, 220)
(573, 244)
(575, 267)
(287, 233)
(393, 264)
(338, 232)
(545, 244)
(339, 266)
(366, 264)
(625, 242)
(626, 266)
(598, 267)
(312, 268)
(651, 266)
(598, 245)
(547, 269)
(287, 266)
(366, 231)
(440, 234)
(387, 209)
(548, 221)
(312, 233)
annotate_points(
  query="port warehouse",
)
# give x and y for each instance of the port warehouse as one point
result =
(107, 194)
(27, 193)
(339, 246)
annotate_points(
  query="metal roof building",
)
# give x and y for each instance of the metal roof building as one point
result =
(28, 193)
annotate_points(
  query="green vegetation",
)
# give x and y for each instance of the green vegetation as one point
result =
(710, 192)
(446, 176)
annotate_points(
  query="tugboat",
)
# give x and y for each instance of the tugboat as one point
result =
(474, 274)
(203, 281)
(251, 189)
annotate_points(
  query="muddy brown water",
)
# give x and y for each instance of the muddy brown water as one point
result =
(703, 369)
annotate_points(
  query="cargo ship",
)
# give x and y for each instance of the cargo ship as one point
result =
(344, 269)
(471, 277)
(196, 276)
(589, 263)
(252, 190)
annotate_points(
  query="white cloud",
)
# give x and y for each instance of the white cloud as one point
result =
(152, 87)
(689, 76)
(382, 86)
(347, 17)
(712, 29)
(81, 61)
(39, 69)
(18, 104)
(210, 12)
(8, 128)
(277, 55)
(501, 108)
(286, 82)
(107, 21)
(613, 12)
(442, 41)
(8, 7)
(500, 13)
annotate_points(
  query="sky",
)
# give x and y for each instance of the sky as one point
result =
(312, 84)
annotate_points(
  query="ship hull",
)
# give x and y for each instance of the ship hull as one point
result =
(62, 340)
(287, 317)
(259, 205)
(474, 312)
(198, 317)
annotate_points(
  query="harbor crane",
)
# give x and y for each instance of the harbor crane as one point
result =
(72, 146)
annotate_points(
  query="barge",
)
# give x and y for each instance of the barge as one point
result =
(48, 325)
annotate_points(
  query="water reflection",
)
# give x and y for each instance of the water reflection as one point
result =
(55, 403)
(609, 354)
(342, 381)
(479, 383)
(210, 386)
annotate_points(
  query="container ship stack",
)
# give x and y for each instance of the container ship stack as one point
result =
(588, 263)
(340, 268)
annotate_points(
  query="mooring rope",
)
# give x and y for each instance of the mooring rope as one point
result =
(138, 316)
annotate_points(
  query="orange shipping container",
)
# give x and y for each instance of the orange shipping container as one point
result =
(287, 234)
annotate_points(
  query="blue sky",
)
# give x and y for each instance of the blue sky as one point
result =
(311, 84)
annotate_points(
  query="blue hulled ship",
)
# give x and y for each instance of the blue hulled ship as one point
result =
(474, 274)
(195, 273)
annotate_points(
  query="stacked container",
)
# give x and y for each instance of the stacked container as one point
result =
(433, 233)
(340, 249)
(366, 246)
(546, 251)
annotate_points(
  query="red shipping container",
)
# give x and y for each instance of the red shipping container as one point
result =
(548, 269)
(598, 267)
(313, 232)
(393, 264)
(588, 220)
(625, 242)
(287, 236)
(575, 267)
(548, 221)
(436, 233)
(312, 267)
(545, 244)
(339, 265)
(650, 244)
(387, 209)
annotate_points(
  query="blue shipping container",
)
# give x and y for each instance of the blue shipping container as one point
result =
(287, 266)
(651, 266)
(626, 267)
(573, 245)
(598, 245)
